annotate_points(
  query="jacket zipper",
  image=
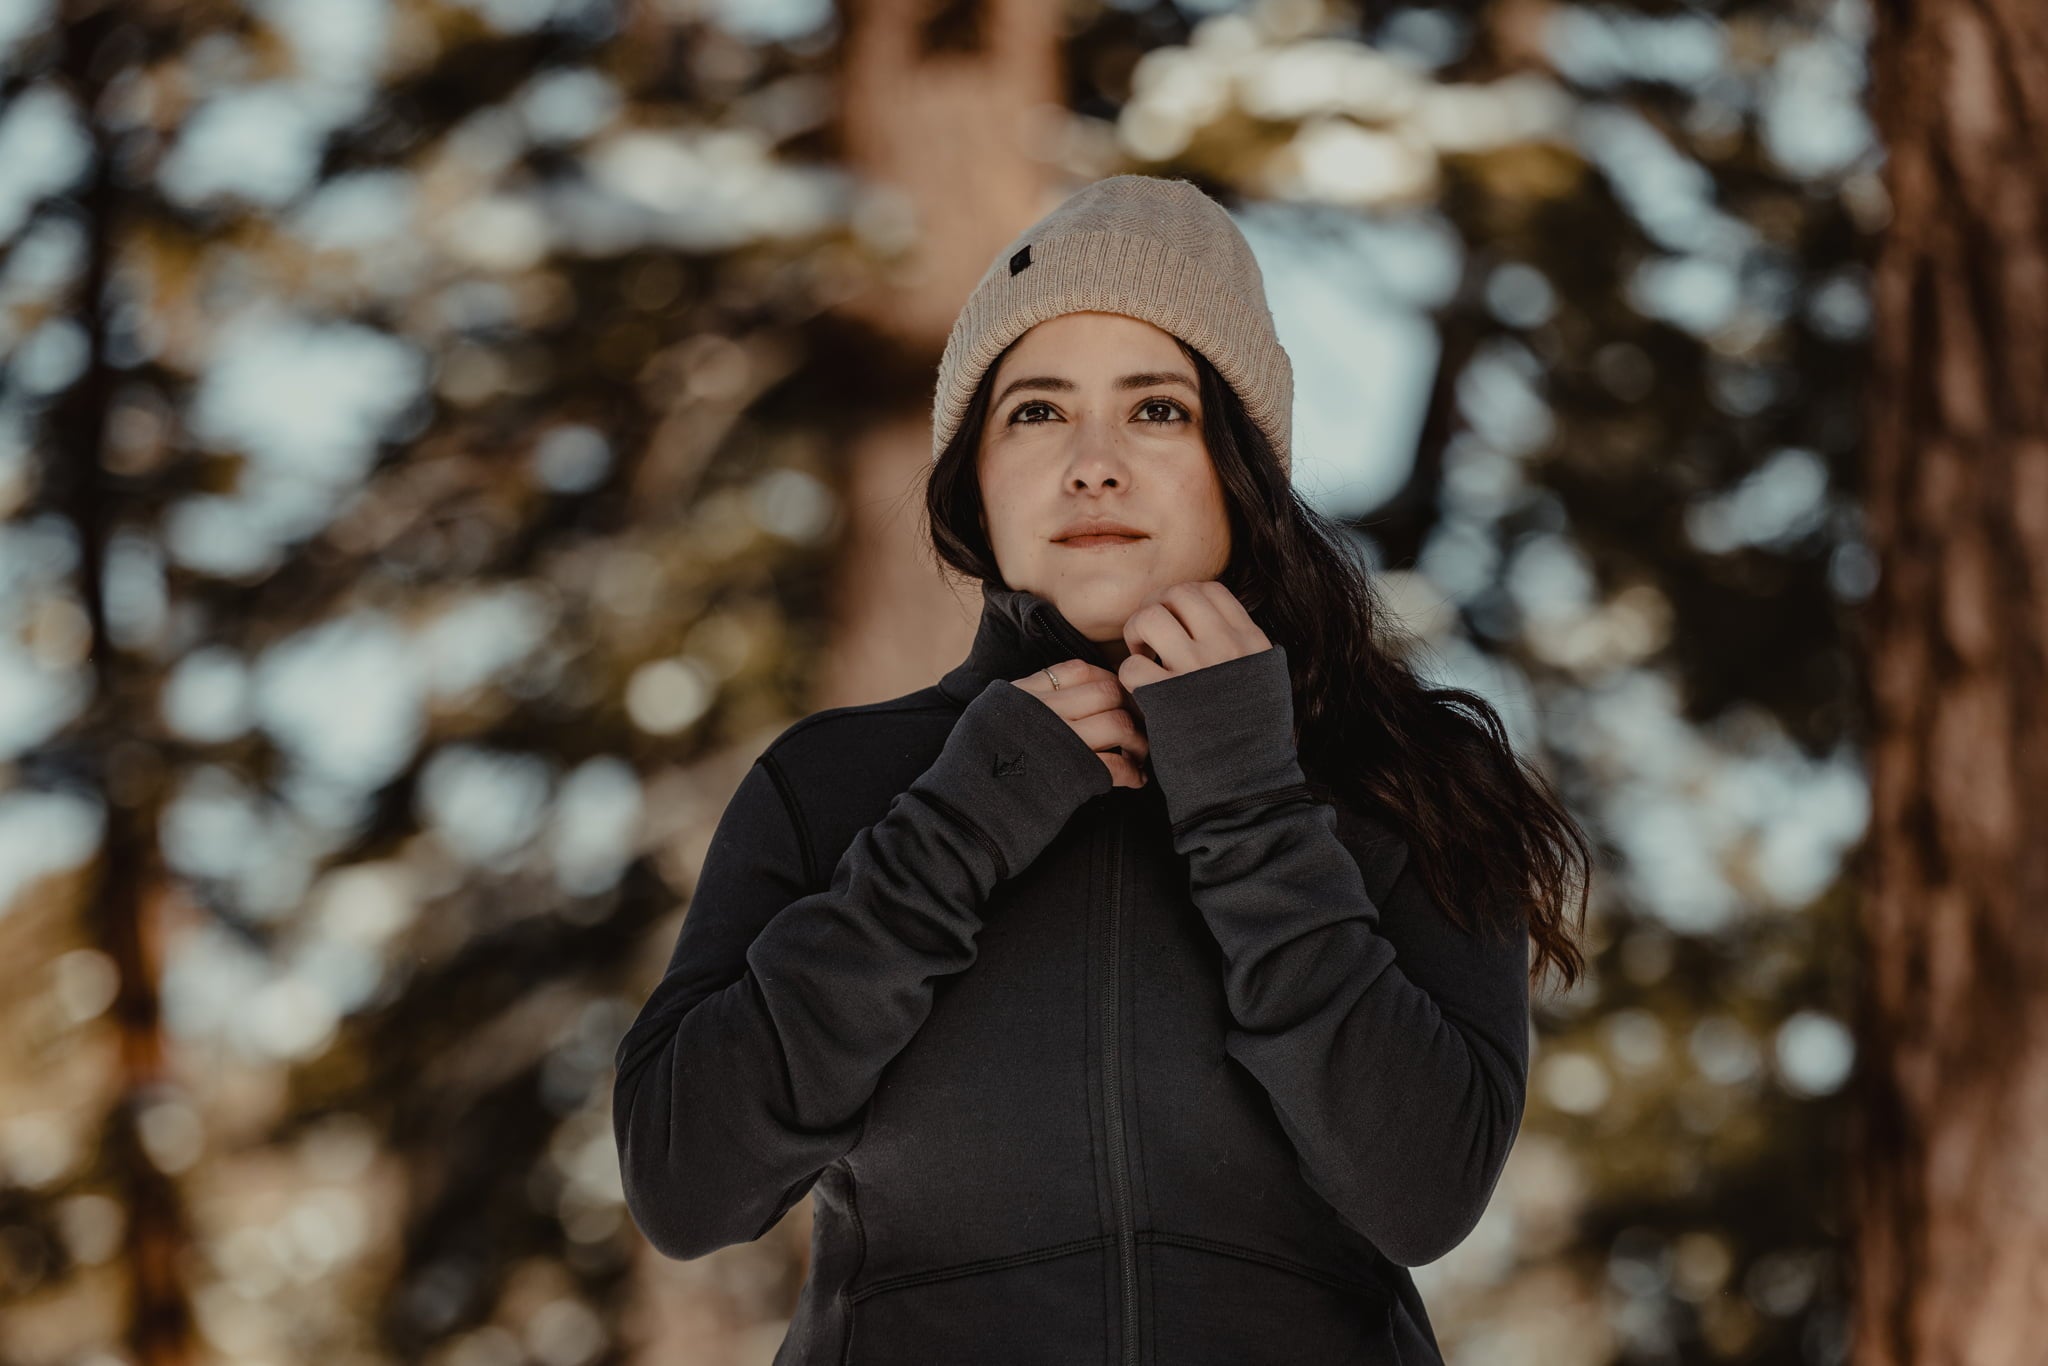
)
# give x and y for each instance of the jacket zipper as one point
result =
(1113, 1094)
(1113, 1098)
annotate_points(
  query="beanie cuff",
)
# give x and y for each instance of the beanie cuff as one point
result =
(1172, 257)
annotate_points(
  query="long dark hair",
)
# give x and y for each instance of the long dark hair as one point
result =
(1490, 837)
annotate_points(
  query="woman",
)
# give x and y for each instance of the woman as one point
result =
(1108, 1013)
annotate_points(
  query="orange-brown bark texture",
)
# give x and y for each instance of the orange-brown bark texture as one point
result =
(1950, 1195)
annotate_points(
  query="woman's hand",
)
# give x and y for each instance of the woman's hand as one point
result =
(1092, 701)
(1187, 626)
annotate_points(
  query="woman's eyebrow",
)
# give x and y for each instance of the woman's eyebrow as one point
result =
(1143, 380)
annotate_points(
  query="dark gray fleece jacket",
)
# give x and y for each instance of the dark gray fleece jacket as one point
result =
(1177, 1075)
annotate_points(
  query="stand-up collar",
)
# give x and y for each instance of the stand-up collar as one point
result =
(1019, 631)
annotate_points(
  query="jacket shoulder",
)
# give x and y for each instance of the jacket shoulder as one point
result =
(840, 768)
(828, 741)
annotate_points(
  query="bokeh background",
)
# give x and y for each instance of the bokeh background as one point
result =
(442, 441)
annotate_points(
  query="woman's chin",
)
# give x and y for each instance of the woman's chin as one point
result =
(1098, 609)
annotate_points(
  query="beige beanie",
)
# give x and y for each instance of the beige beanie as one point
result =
(1148, 247)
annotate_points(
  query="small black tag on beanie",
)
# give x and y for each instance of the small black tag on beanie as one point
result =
(1021, 259)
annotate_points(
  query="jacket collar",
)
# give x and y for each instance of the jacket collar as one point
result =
(1019, 631)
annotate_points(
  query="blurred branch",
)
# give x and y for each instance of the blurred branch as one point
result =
(119, 906)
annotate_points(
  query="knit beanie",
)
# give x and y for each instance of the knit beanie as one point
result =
(1149, 247)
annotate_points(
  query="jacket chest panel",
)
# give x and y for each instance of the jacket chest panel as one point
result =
(1210, 1157)
(982, 1136)
(1069, 1096)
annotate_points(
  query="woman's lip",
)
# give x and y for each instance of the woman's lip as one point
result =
(1100, 539)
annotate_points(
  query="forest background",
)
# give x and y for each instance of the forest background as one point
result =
(442, 441)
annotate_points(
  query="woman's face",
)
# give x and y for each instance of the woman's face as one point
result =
(1098, 416)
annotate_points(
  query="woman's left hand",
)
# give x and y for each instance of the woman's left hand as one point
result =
(1186, 626)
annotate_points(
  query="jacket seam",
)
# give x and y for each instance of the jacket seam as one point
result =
(967, 823)
(796, 816)
(1271, 796)
(849, 713)
(976, 1268)
(860, 1232)
(1196, 1242)
(658, 1027)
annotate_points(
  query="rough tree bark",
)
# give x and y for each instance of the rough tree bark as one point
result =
(1949, 1213)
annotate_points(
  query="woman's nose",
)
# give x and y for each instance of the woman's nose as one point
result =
(1095, 454)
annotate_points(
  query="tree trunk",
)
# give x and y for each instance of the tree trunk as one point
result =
(1950, 1208)
(940, 100)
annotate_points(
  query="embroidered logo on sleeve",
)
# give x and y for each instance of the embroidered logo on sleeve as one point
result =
(1009, 764)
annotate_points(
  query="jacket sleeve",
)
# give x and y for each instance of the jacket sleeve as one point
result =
(1393, 1045)
(749, 1069)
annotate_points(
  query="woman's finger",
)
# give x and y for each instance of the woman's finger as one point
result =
(1123, 772)
(1110, 730)
(1084, 688)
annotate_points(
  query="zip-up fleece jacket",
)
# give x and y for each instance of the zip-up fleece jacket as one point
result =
(1176, 1075)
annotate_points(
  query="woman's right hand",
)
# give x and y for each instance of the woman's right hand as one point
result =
(1092, 700)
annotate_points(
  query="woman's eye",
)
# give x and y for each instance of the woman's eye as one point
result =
(1174, 412)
